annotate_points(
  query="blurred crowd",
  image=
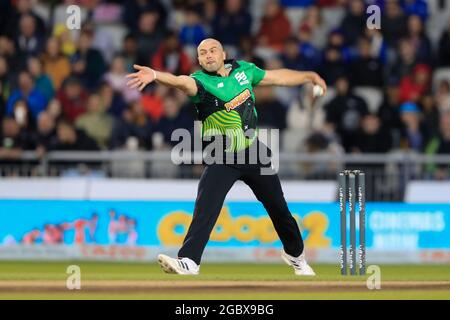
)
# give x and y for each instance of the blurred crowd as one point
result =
(64, 89)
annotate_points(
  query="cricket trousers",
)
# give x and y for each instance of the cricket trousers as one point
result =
(215, 182)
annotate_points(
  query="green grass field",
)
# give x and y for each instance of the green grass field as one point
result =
(47, 280)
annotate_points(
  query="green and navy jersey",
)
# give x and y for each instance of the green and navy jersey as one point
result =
(226, 105)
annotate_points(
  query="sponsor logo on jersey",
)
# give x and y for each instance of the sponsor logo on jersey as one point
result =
(241, 77)
(237, 101)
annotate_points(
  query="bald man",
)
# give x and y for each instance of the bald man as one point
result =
(222, 93)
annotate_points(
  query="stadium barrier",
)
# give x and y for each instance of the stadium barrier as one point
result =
(138, 230)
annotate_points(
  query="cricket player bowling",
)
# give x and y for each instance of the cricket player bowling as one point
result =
(222, 92)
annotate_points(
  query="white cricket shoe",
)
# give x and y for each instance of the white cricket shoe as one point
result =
(299, 264)
(183, 266)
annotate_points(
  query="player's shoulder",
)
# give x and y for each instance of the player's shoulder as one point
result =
(244, 64)
(197, 74)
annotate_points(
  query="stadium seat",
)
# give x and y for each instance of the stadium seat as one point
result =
(257, 11)
(43, 11)
(439, 75)
(109, 38)
(437, 25)
(372, 96)
(333, 16)
(292, 139)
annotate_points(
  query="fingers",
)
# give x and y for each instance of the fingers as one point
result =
(132, 75)
(138, 67)
(142, 86)
(133, 83)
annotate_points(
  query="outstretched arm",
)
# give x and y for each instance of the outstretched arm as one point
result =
(146, 75)
(291, 78)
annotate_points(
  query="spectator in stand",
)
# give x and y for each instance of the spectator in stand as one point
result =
(371, 137)
(231, 23)
(56, 65)
(291, 55)
(153, 101)
(311, 55)
(73, 98)
(416, 7)
(8, 50)
(71, 139)
(389, 112)
(414, 86)
(134, 123)
(149, 37)
(96, 122)
(275, 26)
(54, 108)
(405, 62)
(193, 31)
(5, 85)
(175, 116)
(419, 39)
(443, 92)
(303, 116)
(134, 9)
(171, 58)
(414, 135)
(43, 83)
(440, 144)
(23, 117)
(116, 79)
(430, 114)
(354, 22)
(130, 53)
(394, 22)
(45, 134)
(21, 9)
(112, 100)
(246, 51)
(27, 91)
(297, 3)
(29, 42)
(88, 63)
(444, 47)
(12, 140)
(344, 113)
(334, 64)
(65, 39)
(378, 46)
(316, 23)
(366, 70)
(271, 113)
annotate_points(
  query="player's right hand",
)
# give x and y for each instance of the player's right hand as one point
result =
(140, 79)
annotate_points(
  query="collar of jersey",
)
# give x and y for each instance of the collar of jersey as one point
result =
(232, 62)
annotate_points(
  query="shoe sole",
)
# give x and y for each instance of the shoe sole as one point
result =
(290, 264)
(165, 265)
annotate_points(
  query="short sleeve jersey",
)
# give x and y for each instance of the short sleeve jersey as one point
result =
(226, 105)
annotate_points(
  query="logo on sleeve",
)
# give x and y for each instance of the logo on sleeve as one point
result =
(241, 77)
(238, 100)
